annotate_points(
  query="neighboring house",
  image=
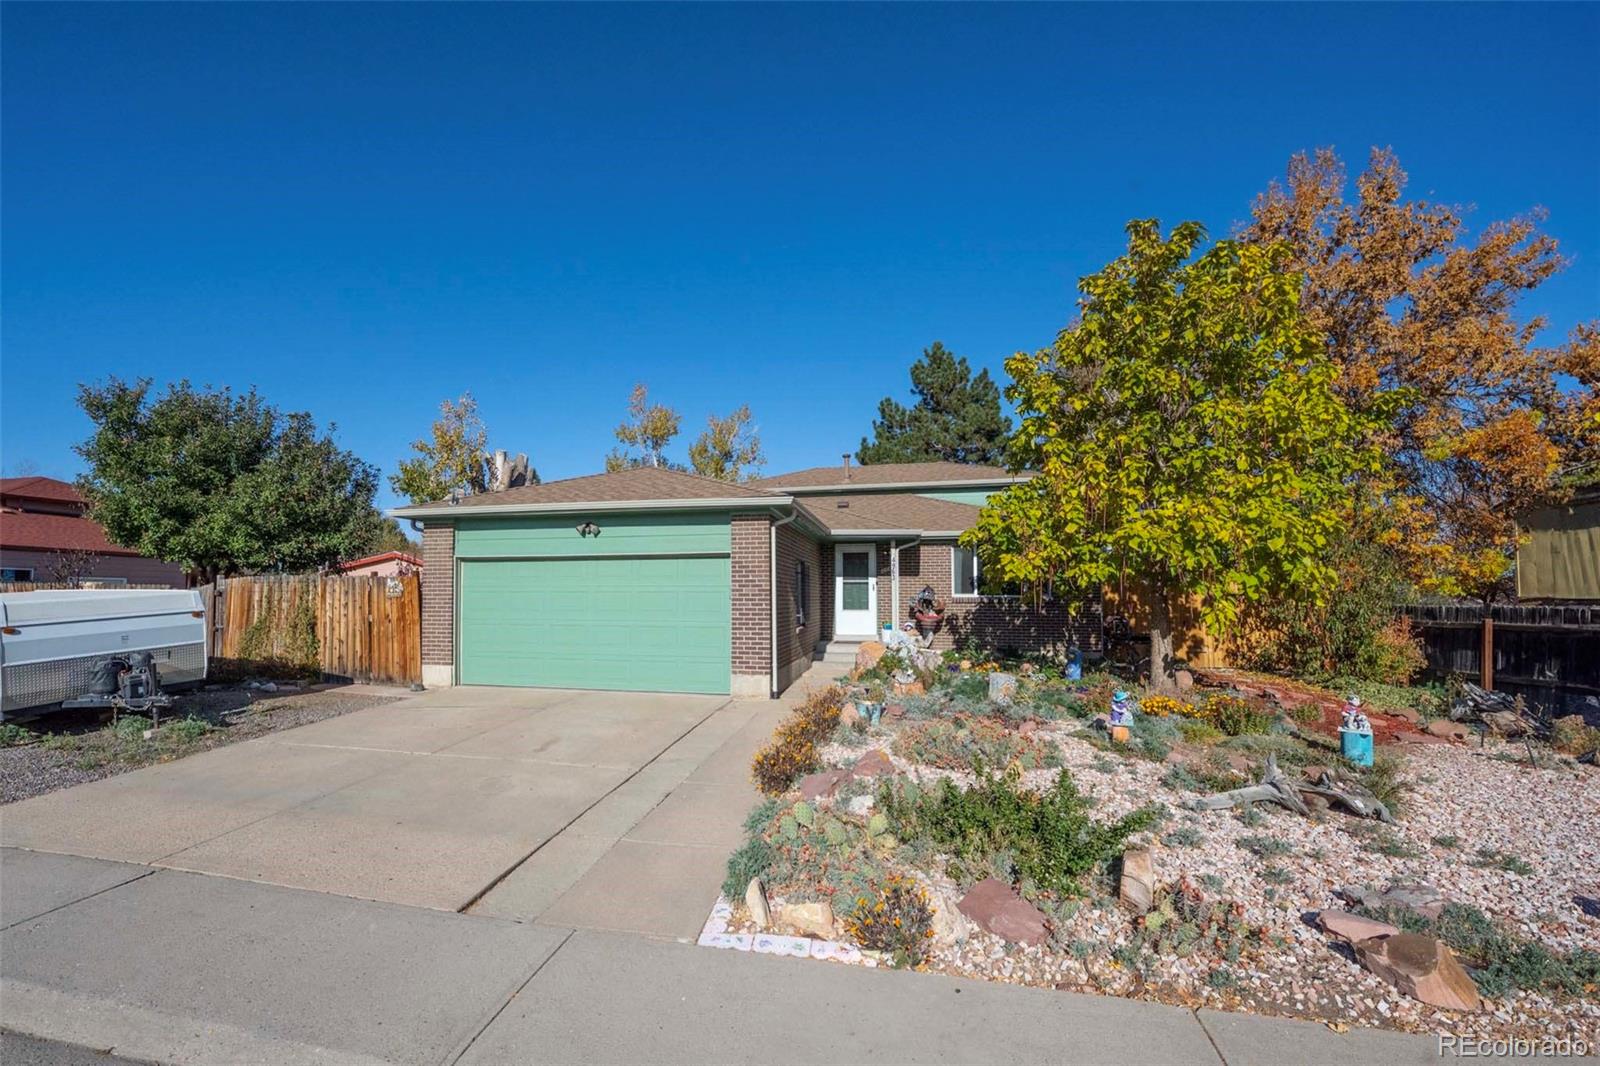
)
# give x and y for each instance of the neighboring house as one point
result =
(650, 579)
(42, 520)
(1560, 559)
(384, 564)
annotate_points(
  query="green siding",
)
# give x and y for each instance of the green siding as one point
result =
(655, 533)
(976, 497)
(638, 624)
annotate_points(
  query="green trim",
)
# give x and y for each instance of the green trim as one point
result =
(635, 534)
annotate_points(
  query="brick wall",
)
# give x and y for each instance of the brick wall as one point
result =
(797, 640)
(438, 594)
(997, 621)
(752, 618)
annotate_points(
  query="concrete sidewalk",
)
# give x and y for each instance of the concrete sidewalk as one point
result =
(181, 967)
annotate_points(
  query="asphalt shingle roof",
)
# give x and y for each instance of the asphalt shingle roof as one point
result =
(639, 483)
(889, 510)
(885, 474)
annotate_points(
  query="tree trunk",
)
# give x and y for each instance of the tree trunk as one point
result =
(1163, 677)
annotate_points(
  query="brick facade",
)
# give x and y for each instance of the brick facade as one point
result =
(752, 618)
(438, 597)
(799, 624)
(995, 621)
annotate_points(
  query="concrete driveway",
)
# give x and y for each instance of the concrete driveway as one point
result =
(528, 804)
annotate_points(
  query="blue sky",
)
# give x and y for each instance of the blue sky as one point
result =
(363, 209)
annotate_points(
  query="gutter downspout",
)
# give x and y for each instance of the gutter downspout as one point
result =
(772, 599)
(894, 577)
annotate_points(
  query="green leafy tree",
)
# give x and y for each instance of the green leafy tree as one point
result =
(645, 434)
(956, 416)
(454, 461)
(729, 449)
(220, 482)
(1187, 429)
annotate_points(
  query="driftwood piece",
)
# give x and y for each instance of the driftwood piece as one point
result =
(1272, 788)
(1276, 787)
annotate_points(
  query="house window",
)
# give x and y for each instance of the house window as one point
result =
(802, 592)
(968, 578)
(16, 573)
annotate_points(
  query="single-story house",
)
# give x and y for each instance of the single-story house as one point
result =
(44, 524)
(383, 564)
(651, 579)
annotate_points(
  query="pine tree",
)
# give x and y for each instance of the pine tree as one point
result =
(956, 416)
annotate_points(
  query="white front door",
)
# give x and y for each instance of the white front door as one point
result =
(855, 590)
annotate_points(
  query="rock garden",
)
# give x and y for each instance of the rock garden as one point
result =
(1000, 821)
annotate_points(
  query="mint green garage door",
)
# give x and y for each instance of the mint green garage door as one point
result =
(654, 624)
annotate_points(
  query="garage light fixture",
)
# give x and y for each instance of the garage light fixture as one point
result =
(588, 529)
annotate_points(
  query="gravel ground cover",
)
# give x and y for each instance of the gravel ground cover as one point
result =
(72, 748)
(1518, 842)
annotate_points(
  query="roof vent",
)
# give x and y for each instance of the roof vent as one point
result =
(842, 504)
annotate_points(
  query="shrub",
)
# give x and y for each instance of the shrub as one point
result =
(1196, 731)
(1265, 847)
(131, 727)
(1183, 836)
(12, 734)
(1502, 860)
(1385, 780)
(1355, 632)
(1050, 834)
(186, 730)
(1236, 716)
(1570, 735)
(1161, 706)
(792, 752)
(751, 860)
(1500, 961)
(962, 743)
(1428, 701)
(893, 917)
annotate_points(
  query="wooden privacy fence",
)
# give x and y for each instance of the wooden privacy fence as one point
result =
(366, 627)
(1548, 655)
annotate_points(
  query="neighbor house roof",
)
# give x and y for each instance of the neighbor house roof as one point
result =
(39, 488)
(55, 532)
(889, 474)
(645, 485)
(897, 512)
(374, 560)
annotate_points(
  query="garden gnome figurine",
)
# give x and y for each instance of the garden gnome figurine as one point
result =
(1355, 732)
(1121, 715)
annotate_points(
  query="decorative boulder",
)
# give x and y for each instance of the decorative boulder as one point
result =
(1422, 968)
(873, 764)
(1409, 714)
(1506, 723)
(820, 785)
(755, 898)
(1185, 680)
(1448, 730)
(1002, 687)
(910, 688)
(1352, 927)
(868, 654)
(1137, 890)
(998, 910)
(893, 712)
(809, 919)
(849, 717)
(1425, 900)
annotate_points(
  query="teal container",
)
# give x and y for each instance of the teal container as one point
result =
(1357, 747)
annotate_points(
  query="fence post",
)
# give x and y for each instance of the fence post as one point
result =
(1486, 662)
